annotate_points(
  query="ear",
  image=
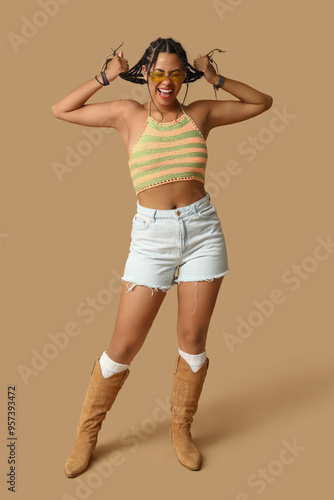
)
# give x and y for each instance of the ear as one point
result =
(144, 71)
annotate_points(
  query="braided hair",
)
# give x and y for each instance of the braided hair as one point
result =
(170, 46)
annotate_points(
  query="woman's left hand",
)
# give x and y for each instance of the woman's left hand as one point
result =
(203, 64)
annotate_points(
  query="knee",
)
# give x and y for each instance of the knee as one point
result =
(192, 341)
(123, 352)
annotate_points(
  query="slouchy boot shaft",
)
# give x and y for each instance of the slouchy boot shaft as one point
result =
(100, 396)
(187, 388)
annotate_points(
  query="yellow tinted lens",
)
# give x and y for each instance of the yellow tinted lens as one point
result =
(178, 76)
(159, 76)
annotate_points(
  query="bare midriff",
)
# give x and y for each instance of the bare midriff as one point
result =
(172, 195)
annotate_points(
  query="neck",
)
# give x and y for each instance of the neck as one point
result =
(166, 110)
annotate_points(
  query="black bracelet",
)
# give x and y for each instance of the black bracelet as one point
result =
(220, 83)
(104, 78)
(98, 81)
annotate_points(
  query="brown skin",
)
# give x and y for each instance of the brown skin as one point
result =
(196, 301)
(128, 117)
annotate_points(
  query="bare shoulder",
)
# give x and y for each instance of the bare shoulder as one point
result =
(129, 106)
(200, 107)
(129, 111)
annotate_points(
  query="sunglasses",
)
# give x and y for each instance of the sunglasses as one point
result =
(160, 76)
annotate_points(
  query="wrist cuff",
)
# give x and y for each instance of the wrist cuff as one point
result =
(220, 83)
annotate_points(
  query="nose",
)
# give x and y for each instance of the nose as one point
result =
(167, 77)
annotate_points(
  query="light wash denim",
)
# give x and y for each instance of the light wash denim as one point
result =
(188, 238)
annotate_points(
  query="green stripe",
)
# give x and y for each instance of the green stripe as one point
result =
(167, 158)
(163, 168)
(175, 126)
(151, 151)
(169, 176)
(152, 138)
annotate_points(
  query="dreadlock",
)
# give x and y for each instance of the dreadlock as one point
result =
(170, 46)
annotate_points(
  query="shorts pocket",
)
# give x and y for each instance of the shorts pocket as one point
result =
(140, 222)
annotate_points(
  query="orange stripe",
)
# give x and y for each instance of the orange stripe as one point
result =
(157, 144)
(143, 168)
(166, 172)
(155, 156)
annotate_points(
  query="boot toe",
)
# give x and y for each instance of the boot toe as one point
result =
(77, 462)
(191, 462)
(188, 454)
(75, 467)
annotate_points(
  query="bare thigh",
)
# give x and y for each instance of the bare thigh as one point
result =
(196, 302)
(136, 312)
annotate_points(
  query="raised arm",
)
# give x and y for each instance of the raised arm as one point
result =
(251, 102)
(72, 108)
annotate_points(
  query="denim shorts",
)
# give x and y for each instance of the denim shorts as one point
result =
(187, 239)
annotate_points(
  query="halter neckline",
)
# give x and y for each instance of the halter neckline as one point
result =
(165, 123)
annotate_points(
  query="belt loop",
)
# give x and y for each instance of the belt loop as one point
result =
(195, 208)
(153, 214)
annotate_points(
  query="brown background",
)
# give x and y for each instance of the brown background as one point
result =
(62, 242)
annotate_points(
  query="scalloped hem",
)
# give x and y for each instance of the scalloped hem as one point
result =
(171, 180)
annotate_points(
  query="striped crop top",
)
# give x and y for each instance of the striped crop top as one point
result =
(168, 152)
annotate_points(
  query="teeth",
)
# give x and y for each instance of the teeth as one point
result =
(165, 91)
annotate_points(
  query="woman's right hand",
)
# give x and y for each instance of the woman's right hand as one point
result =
(116, 66)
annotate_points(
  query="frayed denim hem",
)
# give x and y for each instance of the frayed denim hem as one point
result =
(204, 279)
(132, 284)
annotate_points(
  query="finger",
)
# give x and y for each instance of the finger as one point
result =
(121, 53)
(198, 56)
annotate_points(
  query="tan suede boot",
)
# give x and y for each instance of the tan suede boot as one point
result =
(187, 388)
(100, 395)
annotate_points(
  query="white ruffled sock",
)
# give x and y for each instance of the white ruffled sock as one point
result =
(195, 361)
(110, 367)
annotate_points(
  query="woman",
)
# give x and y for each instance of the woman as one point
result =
(175, 227)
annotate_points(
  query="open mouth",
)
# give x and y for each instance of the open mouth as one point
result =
(165, 93)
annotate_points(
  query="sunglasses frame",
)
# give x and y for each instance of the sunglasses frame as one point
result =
(164, 76)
